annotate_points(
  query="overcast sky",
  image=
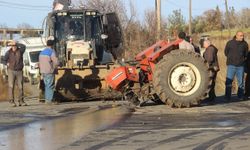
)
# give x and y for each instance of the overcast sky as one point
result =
(33, 12)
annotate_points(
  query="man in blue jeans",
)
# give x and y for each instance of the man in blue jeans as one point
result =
(236, 52)
(48, 62)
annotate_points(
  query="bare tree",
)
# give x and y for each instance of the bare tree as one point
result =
(27, 26)
(24, 26)
(150, 29)
(233, 17)
(244, 18)
(107, 6)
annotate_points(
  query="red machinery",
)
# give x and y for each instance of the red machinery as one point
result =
(163, 73)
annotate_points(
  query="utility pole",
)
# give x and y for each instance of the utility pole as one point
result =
(228, 19)
(158, 18)
(190, 17)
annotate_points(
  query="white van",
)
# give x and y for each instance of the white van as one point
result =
(34, 45)
(3, 68)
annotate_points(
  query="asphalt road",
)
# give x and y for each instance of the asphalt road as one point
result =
(225, 125)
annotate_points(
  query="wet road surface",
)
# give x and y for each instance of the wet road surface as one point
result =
(223, 126)
(60, 132)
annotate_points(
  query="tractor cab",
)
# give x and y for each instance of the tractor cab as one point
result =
(83, 37)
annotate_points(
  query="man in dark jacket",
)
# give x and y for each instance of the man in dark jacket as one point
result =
(236, 52)
(14, 61)
(210, 55)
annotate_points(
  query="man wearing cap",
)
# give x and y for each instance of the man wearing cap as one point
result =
(48, 62)
(14, 61)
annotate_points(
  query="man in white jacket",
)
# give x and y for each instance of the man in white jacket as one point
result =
(184, 44)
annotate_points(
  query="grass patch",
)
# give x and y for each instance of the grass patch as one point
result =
(225, 33)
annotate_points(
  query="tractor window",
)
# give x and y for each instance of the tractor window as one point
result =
(70, 25)
(78, 25)
(93, 27)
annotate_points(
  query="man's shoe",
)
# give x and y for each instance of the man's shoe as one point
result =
(242, 98)
(41, 100)
(248, 97)
(23, 104)
(13, 104)
(55, 102)
(48, 103)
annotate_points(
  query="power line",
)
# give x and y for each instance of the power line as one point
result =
(186, 7)
(23, 8)
(22, 5)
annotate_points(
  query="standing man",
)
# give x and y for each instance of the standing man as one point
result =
(236, 52)
(247, 82)
(210, 55)
(48, 63)
(14, 61)
(184, 44)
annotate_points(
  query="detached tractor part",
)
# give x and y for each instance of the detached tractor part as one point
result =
(177, 77)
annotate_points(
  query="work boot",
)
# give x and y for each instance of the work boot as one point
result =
(22, 103)
(48, 102)
(55, 102)
(42, 100)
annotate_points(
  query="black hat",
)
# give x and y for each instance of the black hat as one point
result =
(50, 42)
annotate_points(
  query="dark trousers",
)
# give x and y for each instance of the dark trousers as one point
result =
(247, 84)
(15, 77)
(211, 93)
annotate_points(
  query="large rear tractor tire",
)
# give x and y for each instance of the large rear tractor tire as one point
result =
(181, 78)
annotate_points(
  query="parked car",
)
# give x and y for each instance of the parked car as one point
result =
(3, 68)
(34, 45)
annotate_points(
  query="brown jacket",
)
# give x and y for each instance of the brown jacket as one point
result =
(15, 59)
(210, 55)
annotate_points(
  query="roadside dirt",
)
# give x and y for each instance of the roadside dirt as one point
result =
(3, 89)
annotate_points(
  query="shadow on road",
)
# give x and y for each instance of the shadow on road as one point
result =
(220, 100)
